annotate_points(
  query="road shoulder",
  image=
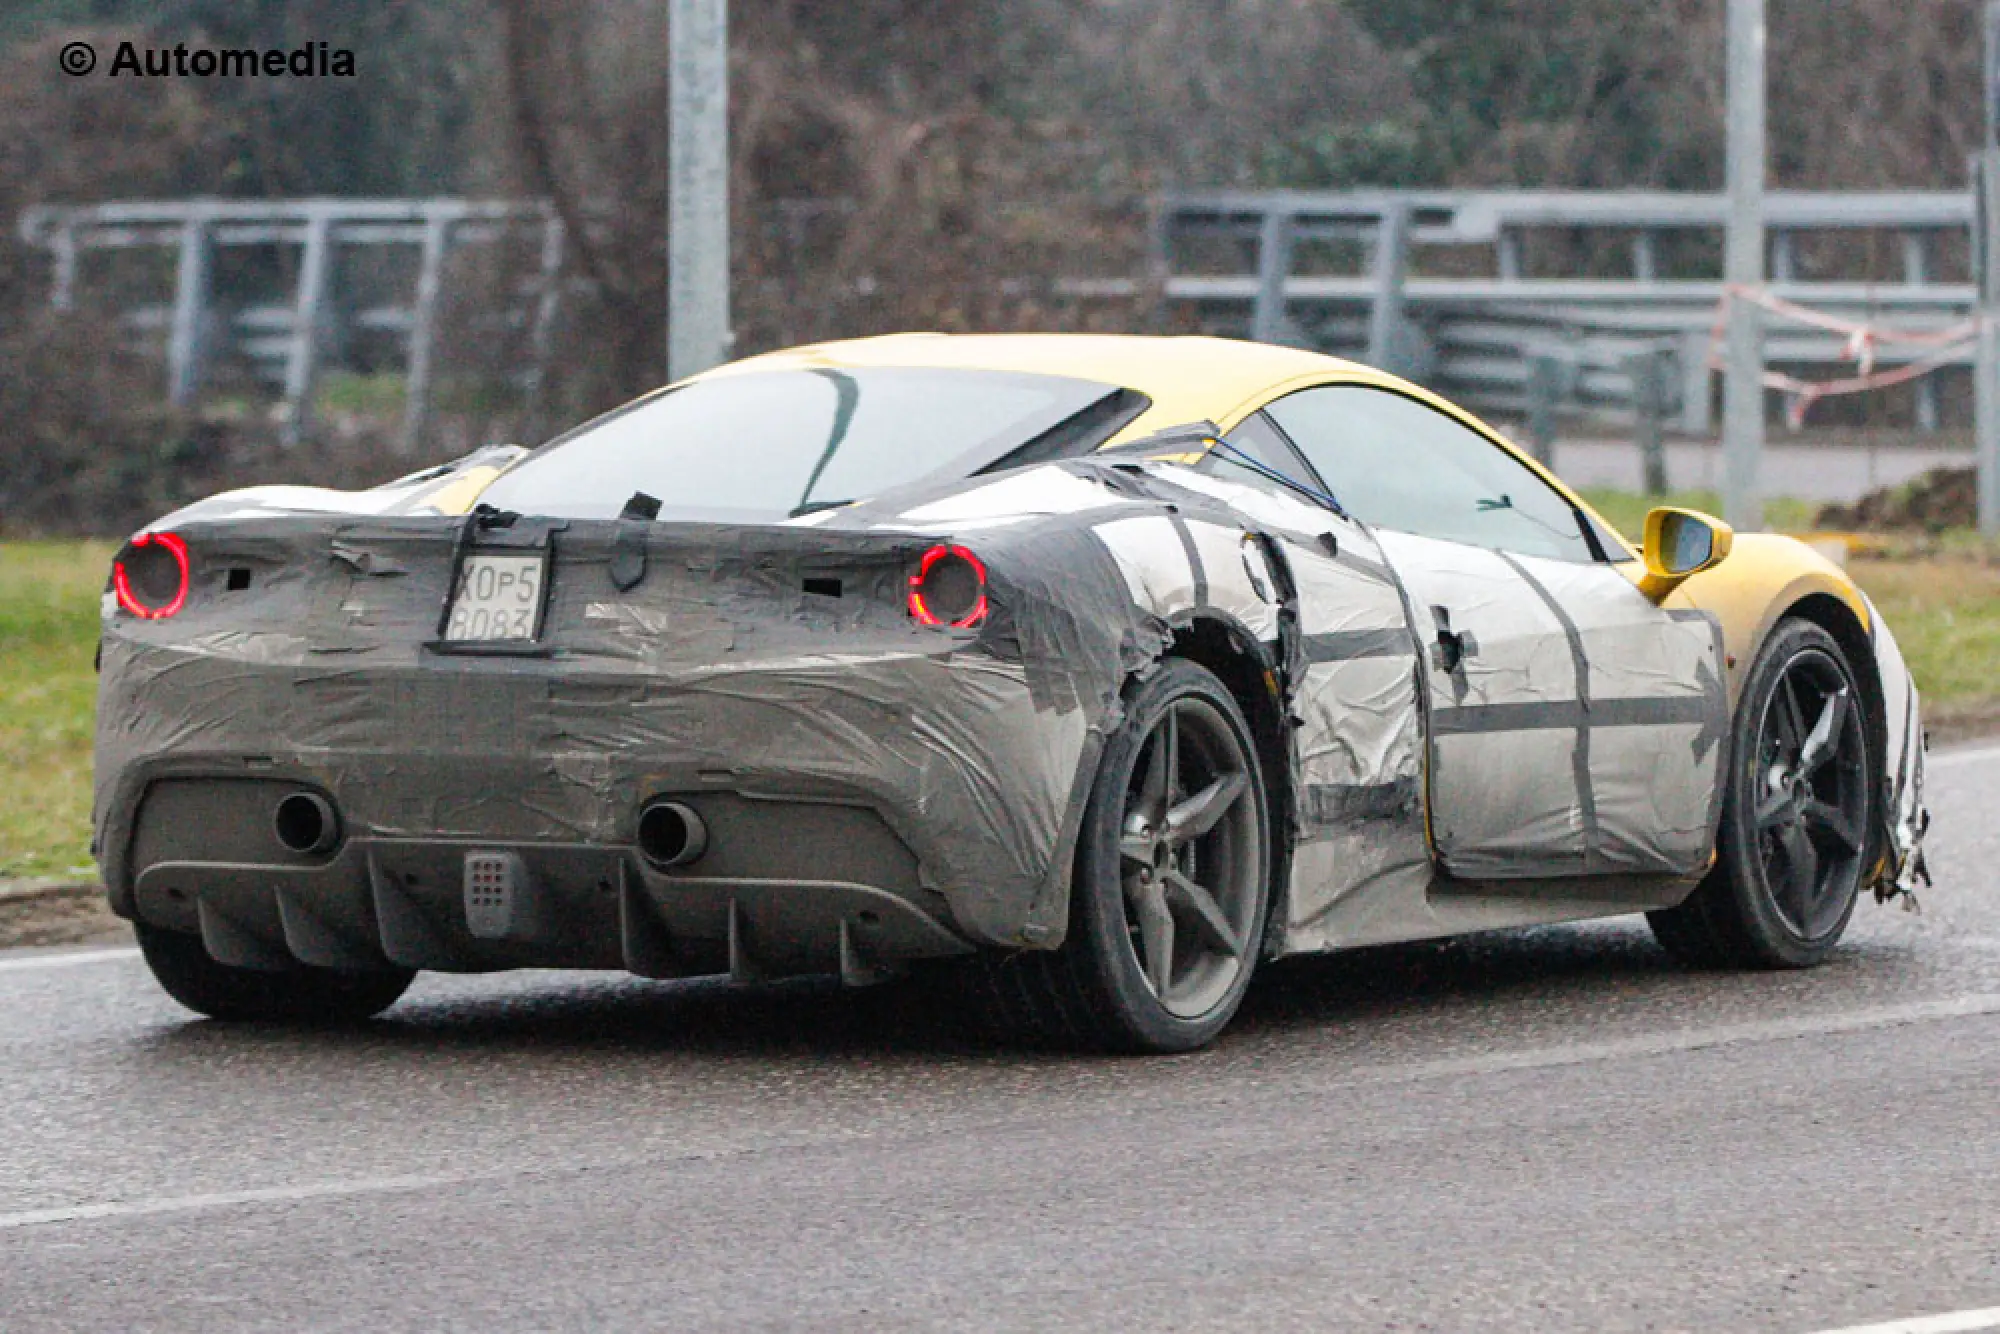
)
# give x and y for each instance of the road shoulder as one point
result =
(45, 913)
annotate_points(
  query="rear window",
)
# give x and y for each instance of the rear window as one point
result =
(765, 446)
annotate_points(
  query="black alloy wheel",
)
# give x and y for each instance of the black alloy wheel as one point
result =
(1811, 796)
(1191, 852)
(1795, 839)
(1171, 883)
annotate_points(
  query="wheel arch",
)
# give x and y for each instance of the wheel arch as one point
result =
(1222, 645)
(1768, 579)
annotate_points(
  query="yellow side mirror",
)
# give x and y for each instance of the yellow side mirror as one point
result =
(1680, 543)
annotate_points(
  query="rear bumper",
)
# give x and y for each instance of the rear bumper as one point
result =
(946, 754)
(382, 902)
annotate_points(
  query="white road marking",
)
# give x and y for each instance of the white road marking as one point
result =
(176, 1204)
(77, 959)
(1951, 759)
(1686, 1040)
(1537, 1058)
(1955, 1322)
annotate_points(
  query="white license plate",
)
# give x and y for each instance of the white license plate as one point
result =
(499, 598)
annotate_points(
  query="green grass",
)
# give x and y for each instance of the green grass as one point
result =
(48, 636)
(363, 395)
(1626, 510)
(1943, 599)
(1945, 611)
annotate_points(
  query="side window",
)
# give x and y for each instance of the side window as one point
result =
(1255, 450)
(1400, 465)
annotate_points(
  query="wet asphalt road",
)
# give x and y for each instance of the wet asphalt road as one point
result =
(1550, 1130)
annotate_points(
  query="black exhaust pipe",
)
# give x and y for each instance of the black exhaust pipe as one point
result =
(671, 834)
(306, 823)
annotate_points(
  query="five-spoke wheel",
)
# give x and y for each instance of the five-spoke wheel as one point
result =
(1812, 793)
(1191, 853)
(1171, 883)
(1795, 837)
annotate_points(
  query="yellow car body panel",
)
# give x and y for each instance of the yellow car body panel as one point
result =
(461, 491)
(1188, 379)
(1765, 576)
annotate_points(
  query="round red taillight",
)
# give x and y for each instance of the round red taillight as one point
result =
(150, 576)
(949, 588)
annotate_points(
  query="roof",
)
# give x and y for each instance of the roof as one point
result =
(1188, 378)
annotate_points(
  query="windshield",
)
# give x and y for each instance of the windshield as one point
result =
(765, 446)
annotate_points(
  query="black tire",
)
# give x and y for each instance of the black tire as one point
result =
(1797, 818)
(300, 995)
(1167, 921)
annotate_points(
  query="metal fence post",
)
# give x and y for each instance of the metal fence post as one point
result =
(1986, 366)
(1743, 397)
(62, 287)
(542, 333)
(1392, 262)
(1986, 272)
(302, 366)
(1159, 263)
(1274, 266)
(698, 187)
(186, 334)
(1648, 372)
(1645, 258)
(1697, 384)
(423, 328)
(1917, 273)
(1544, 395)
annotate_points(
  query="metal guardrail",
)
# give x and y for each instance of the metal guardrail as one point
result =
(287, 340)
(1477, 336)
(1478, 332)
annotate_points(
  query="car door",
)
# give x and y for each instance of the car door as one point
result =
(1360, 863)
(1574, 727)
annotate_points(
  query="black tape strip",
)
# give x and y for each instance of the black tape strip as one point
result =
(1345, 803)
(1068, 616)
(1348, 645)
(1420, 681)
(1186, 535)
(1717, 731)
(1344, 556)
(1202, 504)
(1362, 565)
(1217, 510)
(1676, 711)
(1479, 719)
(1586, 790)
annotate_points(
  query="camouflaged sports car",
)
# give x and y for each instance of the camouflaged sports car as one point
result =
(1109, 666)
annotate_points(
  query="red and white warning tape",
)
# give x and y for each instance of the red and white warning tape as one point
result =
(1863, 340)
